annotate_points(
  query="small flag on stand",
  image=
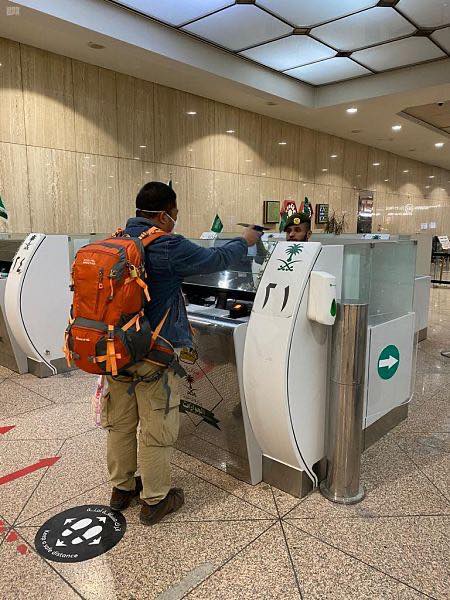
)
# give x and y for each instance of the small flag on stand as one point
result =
(3, 211)
(217, 225)
(284, 218)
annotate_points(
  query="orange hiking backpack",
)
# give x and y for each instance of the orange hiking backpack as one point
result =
(107, 329)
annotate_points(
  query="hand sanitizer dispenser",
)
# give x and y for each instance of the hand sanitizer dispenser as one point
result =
(322, 298)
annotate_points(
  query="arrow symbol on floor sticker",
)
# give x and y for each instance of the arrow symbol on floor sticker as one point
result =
(97, 541)
(6, 429)
(44, 462)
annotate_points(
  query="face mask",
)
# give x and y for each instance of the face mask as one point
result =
(159, 211)
(174, 221)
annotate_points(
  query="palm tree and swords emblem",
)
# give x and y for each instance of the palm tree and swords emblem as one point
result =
(291, 251)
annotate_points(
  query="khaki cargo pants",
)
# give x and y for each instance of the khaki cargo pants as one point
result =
(153, 405)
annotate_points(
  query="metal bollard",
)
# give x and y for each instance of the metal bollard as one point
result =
(345, 406)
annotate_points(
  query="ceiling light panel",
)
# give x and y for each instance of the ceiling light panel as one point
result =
(426, 13)
(176, 12)
(442, 37)
(364, 29)
(305, 13)
(397, 54)
(327, 71)
(289, 52)
(239, 26)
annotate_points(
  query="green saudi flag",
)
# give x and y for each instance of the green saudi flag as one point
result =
(217, 225)
(3, 211)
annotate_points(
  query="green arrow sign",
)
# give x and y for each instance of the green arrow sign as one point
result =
(388, 362)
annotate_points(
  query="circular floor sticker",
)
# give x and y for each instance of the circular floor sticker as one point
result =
(80, 533)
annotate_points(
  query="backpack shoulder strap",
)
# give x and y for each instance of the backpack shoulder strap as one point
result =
(150, 235)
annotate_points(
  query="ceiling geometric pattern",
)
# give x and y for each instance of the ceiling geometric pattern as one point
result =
(316, 41)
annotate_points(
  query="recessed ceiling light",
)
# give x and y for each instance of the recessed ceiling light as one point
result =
(376, 164)
(334, 156)
(248, 160)
(282, 143)
(431, 177)
(142, 146)
(439, 144)
(111, 175)
(230, 130)
(137, 158)
(191, 112)
(427, 186)
(147, 172)
(396, 127)
(352, 110)
(406, 171)
(95, 46)
(324, 170)
(386, 179)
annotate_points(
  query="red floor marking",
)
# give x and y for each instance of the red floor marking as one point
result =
(44, 462)
(2, 526)
(12, 537)
(6, 429)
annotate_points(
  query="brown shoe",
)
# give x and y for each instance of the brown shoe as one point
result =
(150, 515)
(120, 499)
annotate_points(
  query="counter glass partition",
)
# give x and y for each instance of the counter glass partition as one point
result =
(242, 277)
(382, 274)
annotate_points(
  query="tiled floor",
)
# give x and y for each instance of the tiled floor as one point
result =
(232, 540)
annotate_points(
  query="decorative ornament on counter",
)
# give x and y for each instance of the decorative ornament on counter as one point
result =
(306, 207)
(217, 225)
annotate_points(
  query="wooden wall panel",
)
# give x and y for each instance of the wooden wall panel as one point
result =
(48, 99)
(226, 194)
(221, 159)
(250, 161)
(272, 152)
(226, 138)
(98, 193)
(200, 191)
(54, 202)
(135, 117)
(12, 126)
(14, 188)
(95, 109)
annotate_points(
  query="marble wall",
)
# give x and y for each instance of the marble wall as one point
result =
(77, 141)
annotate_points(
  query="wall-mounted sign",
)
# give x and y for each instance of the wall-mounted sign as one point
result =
(322, 211)
(289, 207)
(365, 211)
(271, 211)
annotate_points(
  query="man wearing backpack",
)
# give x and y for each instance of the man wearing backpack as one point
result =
(145, 396)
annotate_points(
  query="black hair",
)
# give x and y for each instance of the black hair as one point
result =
(155, 196)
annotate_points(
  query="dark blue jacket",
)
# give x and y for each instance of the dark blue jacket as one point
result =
(168, 261)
